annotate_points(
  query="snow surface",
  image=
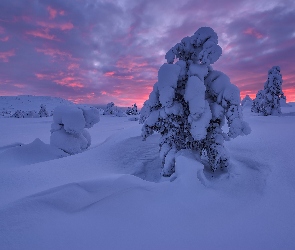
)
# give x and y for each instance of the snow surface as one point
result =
(112, 195)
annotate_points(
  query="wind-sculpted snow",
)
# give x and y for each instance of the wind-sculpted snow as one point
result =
(78, 197)
(96, 200)
(34, 152)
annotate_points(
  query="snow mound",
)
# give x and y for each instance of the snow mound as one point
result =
(68, 128)
(31, 153)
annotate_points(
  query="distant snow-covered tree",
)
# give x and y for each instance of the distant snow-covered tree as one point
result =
(191, 102)
(247, 101)
(273, 92)
(6, 113)
(132, 110)
(110, 109)
(18, 114)
(31, 114)
(119, 112)
(267, 101)
(258, 102)
(68, 128)
(25, 114)
(43, 112)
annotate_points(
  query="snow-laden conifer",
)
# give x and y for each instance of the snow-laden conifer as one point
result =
(258, 102)
(132, 110)
(247, 101)
(268, 101)
(110, 109)
(191, 102)
(273, 92)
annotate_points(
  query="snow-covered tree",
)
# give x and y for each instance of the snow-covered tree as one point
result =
(43, 112)
(258, 102)
(247, 101)
(267, 101)
(31, 114)
(68, 128)
(119, 112)
(110, 109)
(191, 102)
(132, 110)
(273, 92)
(18, 114)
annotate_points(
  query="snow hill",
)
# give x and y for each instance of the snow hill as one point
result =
(10, 104)
(112, 196)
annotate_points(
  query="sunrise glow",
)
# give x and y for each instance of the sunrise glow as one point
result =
(111, 51)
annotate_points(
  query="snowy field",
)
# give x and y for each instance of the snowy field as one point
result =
(113, 197)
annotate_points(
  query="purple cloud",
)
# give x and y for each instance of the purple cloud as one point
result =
(105, 51)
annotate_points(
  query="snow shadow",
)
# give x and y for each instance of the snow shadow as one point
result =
(13, 145)
(138, 158)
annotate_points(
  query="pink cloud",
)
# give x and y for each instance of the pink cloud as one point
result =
(42, 34)
(4, 39)
(2, 31)
(4, 56)
(70, 82)
(53, 52)
(253, 32)
(62, 78)
(52, 12)
(73, 66)
(110, 73)
(41, 76)
(61, 26)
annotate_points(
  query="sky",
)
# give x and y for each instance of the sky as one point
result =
(104, 51)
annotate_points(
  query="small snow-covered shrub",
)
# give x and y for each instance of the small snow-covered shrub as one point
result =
(191, 102)
(43, 112)
(132, 110)
(268, 101)
(18, 114)
(68, 128)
